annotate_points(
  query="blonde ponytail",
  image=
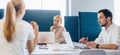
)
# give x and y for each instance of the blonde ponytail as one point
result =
(9, 24)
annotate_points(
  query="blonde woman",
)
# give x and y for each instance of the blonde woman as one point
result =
(58, 29)
(16, 33)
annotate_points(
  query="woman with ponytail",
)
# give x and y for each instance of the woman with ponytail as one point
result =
(16, 33)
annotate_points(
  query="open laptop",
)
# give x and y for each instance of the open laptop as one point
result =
(74, 45)
(46, 37)
(68, 39)
(69, 44)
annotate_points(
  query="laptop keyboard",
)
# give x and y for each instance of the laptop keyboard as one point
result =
(78, 45)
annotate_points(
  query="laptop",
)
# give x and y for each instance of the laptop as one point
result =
(69, 44)
(46, 37)
(74, 45)
(68, 39)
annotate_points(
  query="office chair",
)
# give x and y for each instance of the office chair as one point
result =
(118, 48)
(92, 52)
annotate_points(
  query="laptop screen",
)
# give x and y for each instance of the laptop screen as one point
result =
(46, 37)
(68, 39)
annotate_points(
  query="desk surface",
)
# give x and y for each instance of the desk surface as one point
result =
(50, 51)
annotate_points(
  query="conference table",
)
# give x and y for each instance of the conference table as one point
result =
(50, 51)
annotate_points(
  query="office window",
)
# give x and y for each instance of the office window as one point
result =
(41, 5)
(3, 3)
(33, 4)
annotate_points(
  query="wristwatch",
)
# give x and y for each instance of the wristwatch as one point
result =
(97, 46)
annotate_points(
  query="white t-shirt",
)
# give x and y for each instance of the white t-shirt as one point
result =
(24, 32)
(109, 36)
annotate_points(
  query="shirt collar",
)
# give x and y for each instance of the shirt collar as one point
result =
(110, 27)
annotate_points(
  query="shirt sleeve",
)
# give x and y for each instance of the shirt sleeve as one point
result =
(31, 33)
(51, 28)
(99, 39)
(116, 37)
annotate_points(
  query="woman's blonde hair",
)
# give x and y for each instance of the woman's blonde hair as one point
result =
(10, 16)
(59, 18)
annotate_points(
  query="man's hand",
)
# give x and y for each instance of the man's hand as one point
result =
(91, 44)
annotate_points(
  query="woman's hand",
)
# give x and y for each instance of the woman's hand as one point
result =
(83, 40)
(34, 25)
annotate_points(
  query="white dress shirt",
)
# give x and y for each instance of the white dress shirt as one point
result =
(24, 32)
(110, 35)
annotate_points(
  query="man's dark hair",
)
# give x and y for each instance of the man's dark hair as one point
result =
(107, 13)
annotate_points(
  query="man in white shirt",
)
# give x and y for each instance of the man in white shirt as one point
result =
(109, 37)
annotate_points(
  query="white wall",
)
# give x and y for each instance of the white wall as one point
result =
(90, 6)
(117, 12)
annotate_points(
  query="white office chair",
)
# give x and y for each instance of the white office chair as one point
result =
(92, 52)
(118, 48)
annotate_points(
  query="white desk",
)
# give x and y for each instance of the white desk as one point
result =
(49, 51)
(112, 52)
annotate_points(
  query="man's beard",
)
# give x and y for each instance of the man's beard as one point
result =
(103, 25)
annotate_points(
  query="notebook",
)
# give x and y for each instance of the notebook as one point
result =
(46, 37)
